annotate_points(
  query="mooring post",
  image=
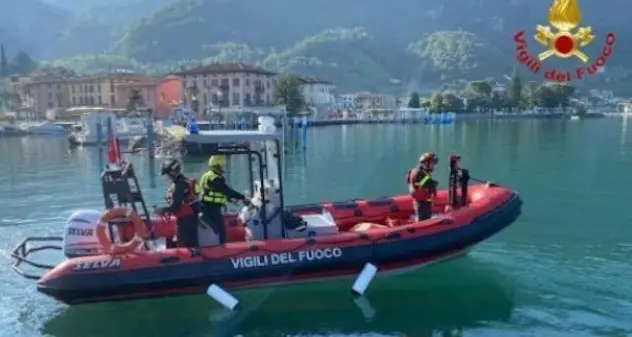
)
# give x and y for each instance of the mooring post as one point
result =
(150, 135)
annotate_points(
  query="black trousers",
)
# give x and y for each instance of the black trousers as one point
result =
(423, 209)
(214, 217)
(187, 232)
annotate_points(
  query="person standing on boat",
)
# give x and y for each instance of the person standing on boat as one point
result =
(422, 187)
(182, 203)
(215, 195)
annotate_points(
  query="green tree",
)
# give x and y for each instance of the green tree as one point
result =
(497, 102)
(288, 93)
(436, 102)
(22, 64)
(514, 90)
(4, 64)
(553, 94)
(134, 101)
(478, 94)
(451, 102)
(414, 101)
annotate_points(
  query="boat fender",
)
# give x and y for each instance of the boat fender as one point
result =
(140, 231)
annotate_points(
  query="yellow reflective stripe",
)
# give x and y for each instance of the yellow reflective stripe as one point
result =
(423, 181)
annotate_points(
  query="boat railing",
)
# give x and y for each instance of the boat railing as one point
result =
(20, 254)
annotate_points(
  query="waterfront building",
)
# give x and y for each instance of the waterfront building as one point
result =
(100, 90)
(158, 94)
(317, 92)
(228, 85)
(345, 101)
(371, 101)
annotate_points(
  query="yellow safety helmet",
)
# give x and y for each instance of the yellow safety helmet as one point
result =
(217, 161)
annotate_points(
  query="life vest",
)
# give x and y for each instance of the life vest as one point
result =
(208, 195)
(190, 204)
(417, 179)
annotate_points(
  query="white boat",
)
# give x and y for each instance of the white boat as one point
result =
(92, 130)
(42, 128)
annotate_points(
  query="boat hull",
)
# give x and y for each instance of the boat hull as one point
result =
(237, 265)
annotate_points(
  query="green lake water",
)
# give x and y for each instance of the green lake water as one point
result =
(562, 269)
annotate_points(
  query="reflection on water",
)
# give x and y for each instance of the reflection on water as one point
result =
(445, 298)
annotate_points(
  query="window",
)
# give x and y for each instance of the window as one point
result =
(235, 82)
(247, 100)
(50, 105)
(100, 100)
(99, 87)
(91, 100)
(236, 99)
(204, 83)
(224, 83)
(74, 100)
(50, 95)
(214, 83)
(112, 100)
(247, 82)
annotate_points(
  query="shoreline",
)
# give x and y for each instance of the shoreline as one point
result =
(11, 129)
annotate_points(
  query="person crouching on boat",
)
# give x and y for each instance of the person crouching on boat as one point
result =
(182, 203)
(215, 195)
(422, 187)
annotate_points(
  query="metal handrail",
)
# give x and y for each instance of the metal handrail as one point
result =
(21, 252)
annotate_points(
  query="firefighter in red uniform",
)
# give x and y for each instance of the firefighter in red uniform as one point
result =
(422, 187)
(182, 203)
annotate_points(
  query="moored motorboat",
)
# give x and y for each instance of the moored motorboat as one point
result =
(284, 245)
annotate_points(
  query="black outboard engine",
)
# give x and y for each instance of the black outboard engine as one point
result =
(458, 178)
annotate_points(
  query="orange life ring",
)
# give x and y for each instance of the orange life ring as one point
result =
(140, 231)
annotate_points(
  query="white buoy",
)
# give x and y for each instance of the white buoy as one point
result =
(222, 296)
(365, 307)
(364, 279)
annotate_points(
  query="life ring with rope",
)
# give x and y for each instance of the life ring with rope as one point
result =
(140, 231)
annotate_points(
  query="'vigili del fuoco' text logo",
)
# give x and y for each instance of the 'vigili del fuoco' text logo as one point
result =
(563, 40)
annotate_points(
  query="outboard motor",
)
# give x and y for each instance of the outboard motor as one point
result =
(80, 237)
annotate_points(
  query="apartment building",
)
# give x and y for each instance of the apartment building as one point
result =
(371, 100)
(316, 91)
(220, 85)
(158, 94)
(345, 101)
(100, 90)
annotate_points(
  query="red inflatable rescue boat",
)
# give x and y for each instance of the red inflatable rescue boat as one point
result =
(285, 244)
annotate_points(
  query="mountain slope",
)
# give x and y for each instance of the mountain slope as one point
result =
(30, 25)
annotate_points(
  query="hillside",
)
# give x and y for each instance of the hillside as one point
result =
(26, 24)
(358, 44)
(383, 42)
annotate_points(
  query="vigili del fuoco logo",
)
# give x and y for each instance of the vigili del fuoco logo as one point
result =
(563, 38)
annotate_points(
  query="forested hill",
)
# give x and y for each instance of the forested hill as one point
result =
(356, 43)
(395, 40)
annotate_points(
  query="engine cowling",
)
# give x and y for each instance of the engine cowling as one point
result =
(80, 237)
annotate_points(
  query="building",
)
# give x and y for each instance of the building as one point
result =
(371, 101)
(228, 85)
(100, 90)
(41, 93)
(168, 94)
(146, 89)
(158, 94)
(317, 92)
(345, 101)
